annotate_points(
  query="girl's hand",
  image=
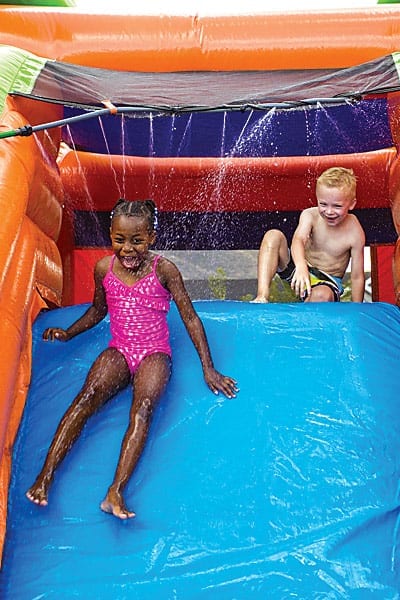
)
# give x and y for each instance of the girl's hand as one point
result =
(55, 333)
(220, 383)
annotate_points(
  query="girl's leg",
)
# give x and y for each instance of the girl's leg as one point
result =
(150, 381)
(273, 254)
(108, 375)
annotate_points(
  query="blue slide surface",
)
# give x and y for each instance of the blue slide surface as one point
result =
(290, 490)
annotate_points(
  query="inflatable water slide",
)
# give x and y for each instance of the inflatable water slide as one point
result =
(290, 490)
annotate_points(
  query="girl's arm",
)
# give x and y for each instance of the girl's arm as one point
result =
(94, 314)
(171, 278)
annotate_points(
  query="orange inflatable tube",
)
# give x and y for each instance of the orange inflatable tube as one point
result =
(31, 274)
(182, 181)
(293, 40)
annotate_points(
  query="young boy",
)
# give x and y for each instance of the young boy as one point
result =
(325, 240)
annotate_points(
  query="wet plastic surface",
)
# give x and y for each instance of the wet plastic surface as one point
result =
(288, 491)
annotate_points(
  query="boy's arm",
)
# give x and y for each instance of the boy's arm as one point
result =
(172, 280)
(301, 278)
(94, 314)
(357, 268)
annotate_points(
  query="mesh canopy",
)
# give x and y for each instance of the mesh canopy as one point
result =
(77, 85)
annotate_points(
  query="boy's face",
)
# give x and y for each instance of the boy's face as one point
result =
(334, 204)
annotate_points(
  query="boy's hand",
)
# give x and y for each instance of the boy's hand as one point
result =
(55, 333)
(301, 282)
(220, 383)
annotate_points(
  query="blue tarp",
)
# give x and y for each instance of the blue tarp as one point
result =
(291, 490)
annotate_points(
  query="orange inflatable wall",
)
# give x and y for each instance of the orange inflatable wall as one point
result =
(293, 40)
(33, 190)
(31, 274)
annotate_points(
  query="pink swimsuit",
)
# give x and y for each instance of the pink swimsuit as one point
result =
(138, 316)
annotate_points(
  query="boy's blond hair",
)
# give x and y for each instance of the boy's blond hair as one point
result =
(339, 177)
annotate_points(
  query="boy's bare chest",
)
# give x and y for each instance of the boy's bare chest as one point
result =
(329, 240)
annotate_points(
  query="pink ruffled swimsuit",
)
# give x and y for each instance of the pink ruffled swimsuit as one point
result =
(138, 316)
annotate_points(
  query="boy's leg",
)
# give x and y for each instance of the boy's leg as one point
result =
(273, 255)
(150, 381)
(108, 375)
(321, 293)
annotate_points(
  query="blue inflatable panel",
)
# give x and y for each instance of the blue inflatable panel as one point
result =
(290, 490)
(304, 132)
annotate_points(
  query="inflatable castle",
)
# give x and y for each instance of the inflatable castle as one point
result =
(226, 122)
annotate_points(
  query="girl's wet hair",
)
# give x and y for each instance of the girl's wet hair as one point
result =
(137, 208)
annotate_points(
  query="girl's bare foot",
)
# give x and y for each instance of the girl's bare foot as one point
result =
(260, 300)
(113, 503)
(38, 494)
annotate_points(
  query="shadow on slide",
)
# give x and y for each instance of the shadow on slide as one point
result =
(289, 490)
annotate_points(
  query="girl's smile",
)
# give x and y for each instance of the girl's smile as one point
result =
(130, 240)
(132, 263)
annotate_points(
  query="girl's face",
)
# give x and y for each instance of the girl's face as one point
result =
(130, 240)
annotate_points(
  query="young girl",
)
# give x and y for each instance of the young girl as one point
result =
(135, 286)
